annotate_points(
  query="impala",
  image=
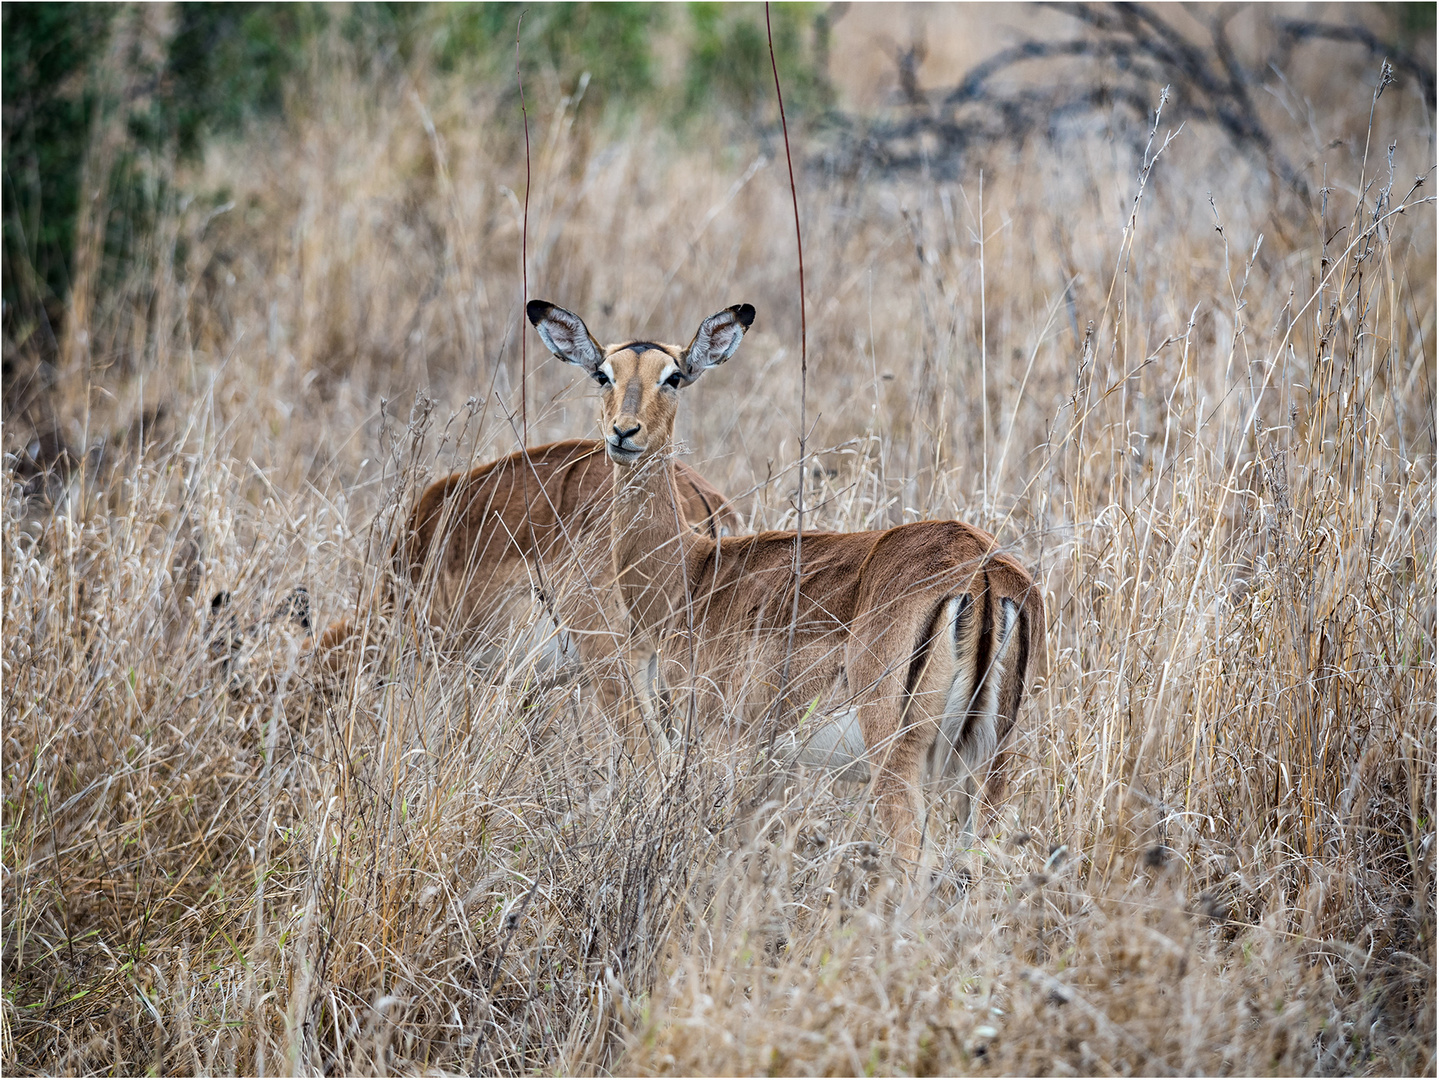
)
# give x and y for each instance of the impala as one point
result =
(907, 654)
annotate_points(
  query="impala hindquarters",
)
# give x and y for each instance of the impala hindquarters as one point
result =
(917, 639)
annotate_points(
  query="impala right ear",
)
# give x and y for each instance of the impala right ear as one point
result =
(565, 334)
(717, 339)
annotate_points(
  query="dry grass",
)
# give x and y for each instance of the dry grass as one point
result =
(1202, 411)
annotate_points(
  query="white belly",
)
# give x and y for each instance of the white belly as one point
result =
(833, 743)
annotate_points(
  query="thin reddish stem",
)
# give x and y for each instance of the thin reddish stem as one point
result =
(524, 247)
(803, 353)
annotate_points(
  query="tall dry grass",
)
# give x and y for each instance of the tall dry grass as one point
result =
(1201, 409)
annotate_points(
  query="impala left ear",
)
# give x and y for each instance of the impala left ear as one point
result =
(716, 340)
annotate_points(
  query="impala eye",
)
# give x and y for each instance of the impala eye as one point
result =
(602, 378)
(673, 382)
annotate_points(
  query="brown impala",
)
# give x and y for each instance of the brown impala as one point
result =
(911, 647)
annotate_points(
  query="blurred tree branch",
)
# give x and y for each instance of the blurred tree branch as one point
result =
(1132, 50)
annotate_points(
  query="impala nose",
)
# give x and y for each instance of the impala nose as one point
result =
(624, 433)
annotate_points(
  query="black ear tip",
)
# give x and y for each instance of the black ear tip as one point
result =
(537, 310)
(744, 313)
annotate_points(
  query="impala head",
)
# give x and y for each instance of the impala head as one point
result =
(639, 380)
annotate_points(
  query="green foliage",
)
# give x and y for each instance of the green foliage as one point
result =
(609, 41)
(729, 62)
(730, 58)
(48, 105)
(229, 63)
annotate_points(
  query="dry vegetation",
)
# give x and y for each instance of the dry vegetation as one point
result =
(1201, 407)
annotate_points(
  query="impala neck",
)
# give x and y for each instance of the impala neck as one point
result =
(653, 545)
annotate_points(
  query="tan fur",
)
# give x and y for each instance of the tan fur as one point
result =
(872, 630)
(487, 541)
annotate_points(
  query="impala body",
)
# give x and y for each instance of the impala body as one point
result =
(532, 527)
(908, 653)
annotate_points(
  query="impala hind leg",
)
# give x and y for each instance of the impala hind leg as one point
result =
(947, 677)
(960, 642)
(908, 644)
(895, 759)
(899, 727)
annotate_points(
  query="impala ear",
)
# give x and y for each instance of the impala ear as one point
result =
(716, 340)
(565, 334)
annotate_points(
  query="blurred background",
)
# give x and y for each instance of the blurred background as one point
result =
(371, 159)
(1146, 290)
